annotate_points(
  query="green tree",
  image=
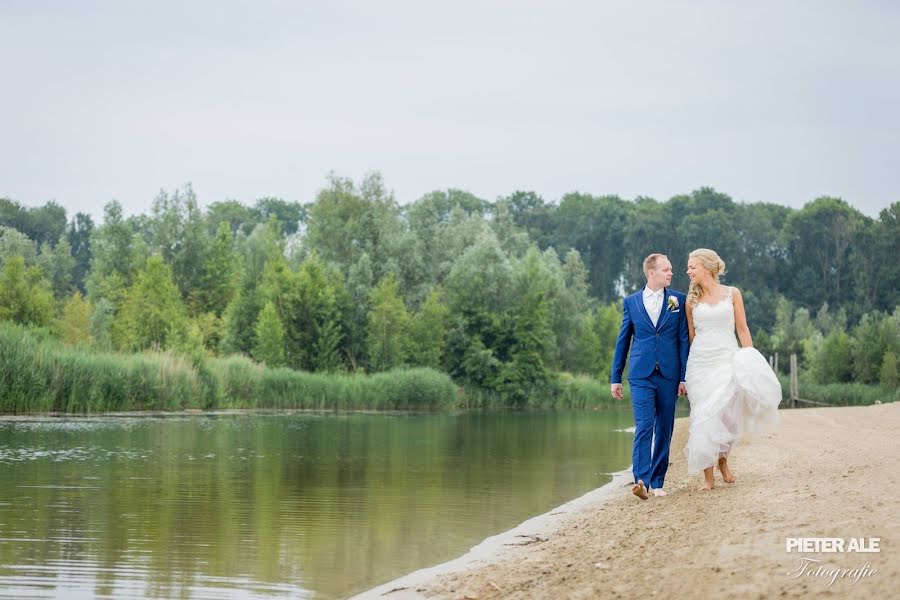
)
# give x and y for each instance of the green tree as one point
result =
(239, 218)
(476, 363)
(242, 311)
(219, 285)
(188, 341)
(647, 228)
(178, 233)
(269, 345)
(58, 265)
(480, 292)
(360, 283)
(444, 225)
(758, 267)
(876, 278)
(114, 258)
(79, 233)
(513, 240)
(828, 320)
(889, 376)
(289, 215)
(25, 296)
(570, 304)
(15, 243)
(596, 340)
(278, 288)
(597, 227)
(74, 326)
(239, 316)
(13, 215)
(874, 336)
(344, 311)
(313, 334)
(525, 375)
(793, 327)
(277, 282)
(587, 358)
(482, 278)
(711, 229)
(345, 222)
(819, 239)
(48, 223)
(833, 362)
(887, 246)
(531, 213)
(152, 313)
(428, 331)
(388, 326)
(43, 225)
(101, 324)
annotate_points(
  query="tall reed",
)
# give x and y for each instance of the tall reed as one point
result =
(40, 374)
(836, 394)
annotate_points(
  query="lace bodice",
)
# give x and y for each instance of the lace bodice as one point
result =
(715, 320)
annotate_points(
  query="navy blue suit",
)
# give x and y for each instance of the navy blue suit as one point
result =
(658, 360)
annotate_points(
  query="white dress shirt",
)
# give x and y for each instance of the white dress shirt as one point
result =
(653, 303)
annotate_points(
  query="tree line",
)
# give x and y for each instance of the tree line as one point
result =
(502, 295)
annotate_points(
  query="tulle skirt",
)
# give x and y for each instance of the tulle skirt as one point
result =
(731, 391)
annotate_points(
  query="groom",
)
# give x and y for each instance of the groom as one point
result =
(654, 318)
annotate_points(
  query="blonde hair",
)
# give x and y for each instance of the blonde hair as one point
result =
(713, 264)
(650, 261)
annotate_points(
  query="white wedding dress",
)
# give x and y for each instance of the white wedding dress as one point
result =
(731, 390)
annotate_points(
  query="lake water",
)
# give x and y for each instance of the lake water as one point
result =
(258, 505)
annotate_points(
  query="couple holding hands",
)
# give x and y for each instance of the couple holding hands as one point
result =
(685, 344)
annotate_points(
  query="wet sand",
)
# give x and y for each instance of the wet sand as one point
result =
(822, 473)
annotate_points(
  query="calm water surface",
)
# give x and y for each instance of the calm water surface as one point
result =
(277, 505)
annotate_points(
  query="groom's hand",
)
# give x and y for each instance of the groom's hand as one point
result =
(682, 389)
(616, 391)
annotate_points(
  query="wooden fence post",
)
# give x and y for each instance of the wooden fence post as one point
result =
(795, 381)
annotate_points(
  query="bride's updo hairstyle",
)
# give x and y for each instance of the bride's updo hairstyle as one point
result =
(713, 264)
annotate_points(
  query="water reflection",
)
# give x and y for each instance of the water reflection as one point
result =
(277, 505)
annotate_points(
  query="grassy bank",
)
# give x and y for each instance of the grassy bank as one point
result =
(40, 374)
(242, 383)
(837, 394)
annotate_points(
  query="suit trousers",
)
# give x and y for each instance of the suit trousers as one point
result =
(653, 401)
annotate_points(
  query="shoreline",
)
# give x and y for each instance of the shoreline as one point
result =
(199, 412)
(502, 545)
(821, 473)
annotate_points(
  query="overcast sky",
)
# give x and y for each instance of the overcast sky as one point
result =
(767, 101)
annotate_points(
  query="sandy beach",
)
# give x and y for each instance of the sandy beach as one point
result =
(823, 473)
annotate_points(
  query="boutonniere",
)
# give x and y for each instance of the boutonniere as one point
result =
(673, 303)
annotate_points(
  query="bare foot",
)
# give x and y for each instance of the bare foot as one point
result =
(639, 490)
(658, 492)
(727, 475)
(708, 480)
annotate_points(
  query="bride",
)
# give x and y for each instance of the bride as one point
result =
(730, 390)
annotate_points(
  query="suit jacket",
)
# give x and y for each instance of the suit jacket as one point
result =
(665, 345)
